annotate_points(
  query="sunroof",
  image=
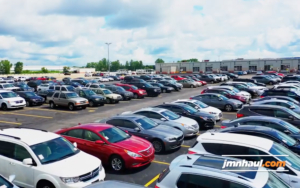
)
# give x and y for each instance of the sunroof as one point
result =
(218, 163)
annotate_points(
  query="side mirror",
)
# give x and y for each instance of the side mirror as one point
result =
(220, 99)
(137, 129)
(280, 169)
(292, 107)
(99, 142)
(291, 117)
(75, 144)
(287, 131)
(163, 119)
(11, 178)
(27, 161)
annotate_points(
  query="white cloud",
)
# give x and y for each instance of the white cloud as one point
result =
(73, 32)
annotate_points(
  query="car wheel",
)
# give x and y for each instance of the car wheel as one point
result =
(27, 103)
(52, 105)
(71, 107)
(91, 103)
(212, 82)
(228, 108)
(192, 86)
(45, 184)
(4, 107)
(135, 96)
(270, 83)
(117, 163)
(158, 146)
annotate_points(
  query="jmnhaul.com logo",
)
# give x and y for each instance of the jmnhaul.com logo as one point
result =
(246, 163)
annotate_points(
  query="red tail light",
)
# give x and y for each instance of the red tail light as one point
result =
(191, 98)
(156, 186)
(202, 92)
(239, 115)
(261, 97)
(223, 127)
(191, 152)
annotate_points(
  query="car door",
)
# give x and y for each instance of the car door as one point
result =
(215, 102)
(204, 98)
(76, 135)
(63, 99)
(55, 98)
(281, 114)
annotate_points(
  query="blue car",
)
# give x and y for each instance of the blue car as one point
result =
(23, 86)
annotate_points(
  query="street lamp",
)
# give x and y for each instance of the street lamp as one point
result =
(108, 56)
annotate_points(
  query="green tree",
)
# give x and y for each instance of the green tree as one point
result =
(5, 66)
(115, 65)
(18, 68)
(44, 70)
(66, 69)
(159, 61)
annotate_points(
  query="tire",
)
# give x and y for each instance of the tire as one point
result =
(71, 106)
(212, 82)
(270, 83)
(108, 101)
(192, 86)
(228, 108)
(116, 163)
(27, 103)
(117, 101)
(158, 146)
(164, 91)
(91, 103)
(135, 96)
(52, 104)
(45, 184)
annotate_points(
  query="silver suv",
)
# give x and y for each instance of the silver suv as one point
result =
(207, 171)
(67, 98)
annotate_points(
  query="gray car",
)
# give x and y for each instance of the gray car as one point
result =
(266, 79)
(162, 137)
(283, 103)
(67, 98)
(188, 83)
(112, 184)
(219, 101)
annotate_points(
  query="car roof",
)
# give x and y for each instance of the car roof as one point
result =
(259, 118)
(29, 136)
(64, 91)
(173, 104)
(5, 91)
(152, 109)
(272, 100)
(211, 165)
(255, 128)
(94, 126)
(264, 106)
(236, 139)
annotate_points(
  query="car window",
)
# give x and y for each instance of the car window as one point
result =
(154, 115)
(6, 149)
(283, 104)
(143, 113)
(56, 95)
(89, 135)
(76, 133)
(176, 109)
(57, 88)
(281, 114)
(252, 123)
(21, 153)
(129, 124)
(62, 95)
(63, 89)
(214, 97)
(266, 112)
(115, 122)
(81, 93)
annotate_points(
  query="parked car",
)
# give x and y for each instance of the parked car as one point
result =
(293, 93)
(31, 98)
(201, 107)
(9, 87)
(151, 90)
(34, 84)
(23, 86)
(67, 98)
(162, 137)
(145, 77)
(272, 111)
(110, 96)
(219, 101)
(287, 86)
(10, 100)
(204, 119)
(291, 78)
(278, 102)
(259, 73)
(91, 96)
(171, 83)
(265, 79)
(164, 89)
(232, 75)
(113, 146)
(278, 98)
(39, 158)
(232, 89)
(45, 94)
(237, 144)
(188, 126)
(115, 78)
(176, 77)
(80, 81)
(95, 85)
(137, 93)
(247, 87)
(249, 80)
(208, 79)
(44, 87)
(62, 87)
(228, 94)
(126, 95)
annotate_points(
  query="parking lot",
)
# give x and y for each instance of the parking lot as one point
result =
(42, 117)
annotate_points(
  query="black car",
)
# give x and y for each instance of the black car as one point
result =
(34, 84)
(232, 76)
(127, 95)
(249, 80)
(151, 90)
(45, 93)
(94, 99)
(164, 89)
(263, 98)
(283, 113)
(67, 80)
(264, 132)
(291, 78)
(204, 119)
(207, 78)
(134, 80)
(145, 77)
(170, 83)
(241, 87)
(116, 78)
(264, 121)
(293, 93)
(31, 98)
(80, 81)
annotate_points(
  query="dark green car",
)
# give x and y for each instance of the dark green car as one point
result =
(91, 96)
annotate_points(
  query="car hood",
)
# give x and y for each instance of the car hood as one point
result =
(97, 96)
(165, 131)
(78, 99)
(185, 120)
(76, 165)
(11, 88)
(15, 99)
(133, 143)
(140, 90)
(112, 95)
(36, 97)
(243, 93)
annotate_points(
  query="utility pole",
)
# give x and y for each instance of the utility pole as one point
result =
(108, 56)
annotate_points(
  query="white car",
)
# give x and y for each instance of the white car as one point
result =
(22, 78)
(9, 100)
(238, 92)
(9, 87)
(43, 87)
(287, 86)
(109, 78)
(231, 144)
(88, 74)
(202, 107)
(43, 159)
(223, 77)
(7, 183)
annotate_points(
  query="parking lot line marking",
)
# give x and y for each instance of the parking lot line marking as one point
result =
(159, 162)
(152, 180)
(185, 146)
(159, 96)
(46, 117)
(11, 122)
(124, 101)
(198, 134)
(51, 110)
(91, 110)
(110, 105)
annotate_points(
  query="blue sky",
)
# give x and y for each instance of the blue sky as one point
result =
(74, 32)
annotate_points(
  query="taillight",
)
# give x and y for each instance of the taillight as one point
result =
(191, 152)
(156, 186)
(261, 97)
(223, 127)
(191, 98)
(239, 115)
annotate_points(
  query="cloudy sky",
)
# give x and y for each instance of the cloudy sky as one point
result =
(74, 32)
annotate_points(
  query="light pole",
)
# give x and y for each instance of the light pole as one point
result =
(108, 56)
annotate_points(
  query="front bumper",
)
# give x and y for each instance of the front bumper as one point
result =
(190, 133)
(16, 105)
(97, 102)
(138, 161)
(173, 145)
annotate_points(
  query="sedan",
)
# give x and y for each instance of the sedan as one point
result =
(112, 145)
(31, 98)
(219, 101)
(278, 98)
(282, 103)
(227, 93)
(188, 83)
(164, 89)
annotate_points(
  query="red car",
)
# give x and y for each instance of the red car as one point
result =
(175, 77)
(202, 82)
(279, 74)
(41, 78)
(226, 93)
(112, 145)
(137, 93)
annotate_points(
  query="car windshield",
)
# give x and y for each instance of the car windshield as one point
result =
(106, 91)
(160, 85)
(223, 97)
(114, 135)
(70, 88)
(235, 90)
(190, 109)
(30, 94)
(8, 85)
(134, 88)
(288, 140)
(148, 85)
(121, 89)
(290, 127)
(146, 123)
(54, 150)
(201, 104)
(172, 81)
(251, 84)
(8, 94)
(170, 115)
(71, 95)
(275, 182)
(286, 155)
(89, 92)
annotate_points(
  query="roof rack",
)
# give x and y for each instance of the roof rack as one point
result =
(30, 128)
(11, 136)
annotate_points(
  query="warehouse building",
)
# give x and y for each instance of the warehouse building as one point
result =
(279, 64)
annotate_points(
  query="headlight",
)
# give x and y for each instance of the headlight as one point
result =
(132, 154)
(171, 139)
(70, 180)
(205, 118)
(97, 99)
(187, 126)
(155, 90)
(140, 92)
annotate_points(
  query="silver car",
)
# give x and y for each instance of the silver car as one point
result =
(67, 98)
(188, 126)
